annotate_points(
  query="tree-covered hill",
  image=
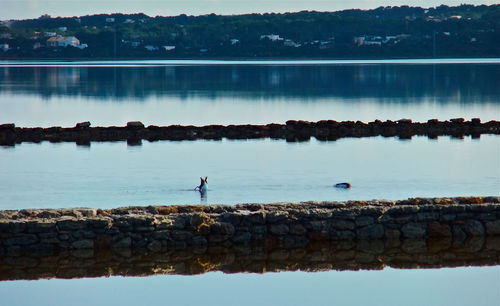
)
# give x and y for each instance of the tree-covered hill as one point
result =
(385, 32)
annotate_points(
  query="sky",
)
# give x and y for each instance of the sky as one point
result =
(24, 9)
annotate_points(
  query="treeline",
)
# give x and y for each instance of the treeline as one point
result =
(385, 32)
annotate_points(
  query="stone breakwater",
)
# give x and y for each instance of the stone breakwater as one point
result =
(288, 225)
(320, 256)
(135, 132)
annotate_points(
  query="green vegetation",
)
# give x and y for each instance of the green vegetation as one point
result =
(385, 32)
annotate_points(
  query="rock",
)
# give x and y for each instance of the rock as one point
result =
(436, 229)
(17, 227)
(279, 229)
(242, 237)
(24, 239)
(374, 231)
(204, 229)
(198, 218)
(342, 235)
(343, 224)
(474, 228)
(7, 126)
(198, 241)
(257, 217)
(154, 246)
(222, 228)
(414, 230)
(390, 233)
(276, 216)
(258, 229)
(364, 220)
(233, 218)
(404, 121)
(179, 223)
(83, 125)
(493, 227)
(48, 214)
(70, 224)
(458, 232)
(181, 235)
(123, 243)
(135, 124)
(83, 244)
(296, 228)
(457, 120)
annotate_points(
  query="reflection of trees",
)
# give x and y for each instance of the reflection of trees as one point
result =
(462, 83)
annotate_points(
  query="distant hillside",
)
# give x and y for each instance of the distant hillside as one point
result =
(385, 32)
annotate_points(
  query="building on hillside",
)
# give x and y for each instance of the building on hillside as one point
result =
(151, 48)
(63, 41)
(4, 47)
(291, 43)
(168, 48)
(271, 37)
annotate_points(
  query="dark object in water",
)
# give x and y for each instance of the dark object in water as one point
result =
(343, 185)
(203, 185)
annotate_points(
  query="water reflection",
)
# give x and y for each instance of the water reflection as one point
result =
(342, 255)
(464, 83)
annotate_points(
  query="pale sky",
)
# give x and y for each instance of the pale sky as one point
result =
(23, 9)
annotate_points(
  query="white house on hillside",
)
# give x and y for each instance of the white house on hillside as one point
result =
(63, 41)
(272, 37)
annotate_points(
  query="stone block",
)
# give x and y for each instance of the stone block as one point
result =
(279, 229)
(493, 227)
(373, 231)
(296, 228)
(436, 229)
(364, 220)
(414, 230)
(71, 224)
(154, 246)
(83, 244)
(474, 228)
(122, 243)
(21, 239)
(222, 228)
(181, 235)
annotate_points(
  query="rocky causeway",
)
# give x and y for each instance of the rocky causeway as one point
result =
(326, 130)
(287, 225)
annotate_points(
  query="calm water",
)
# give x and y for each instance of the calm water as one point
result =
(114, 174)
(458, 286)
(208, 92)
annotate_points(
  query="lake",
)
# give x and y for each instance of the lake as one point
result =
(214, 92)
(113, 174)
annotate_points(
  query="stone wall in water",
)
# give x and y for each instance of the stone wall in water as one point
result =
(323, 130)
(287, 225)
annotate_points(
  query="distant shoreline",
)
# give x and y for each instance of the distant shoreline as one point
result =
(259, 61)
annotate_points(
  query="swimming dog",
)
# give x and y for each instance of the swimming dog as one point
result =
(343, 185)
(203, 185)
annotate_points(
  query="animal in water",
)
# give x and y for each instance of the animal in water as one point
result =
(203, 185)
(343, 185)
